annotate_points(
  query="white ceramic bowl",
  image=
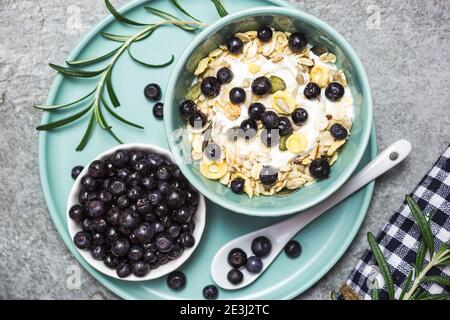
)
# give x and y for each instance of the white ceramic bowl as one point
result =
(74, 227)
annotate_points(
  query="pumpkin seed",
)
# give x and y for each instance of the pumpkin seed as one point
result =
(278, 84)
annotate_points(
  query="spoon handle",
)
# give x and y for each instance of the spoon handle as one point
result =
(394, 154)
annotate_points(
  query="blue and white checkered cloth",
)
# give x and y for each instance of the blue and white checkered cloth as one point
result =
(399, 238)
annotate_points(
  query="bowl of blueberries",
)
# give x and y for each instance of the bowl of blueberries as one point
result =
(133, 215)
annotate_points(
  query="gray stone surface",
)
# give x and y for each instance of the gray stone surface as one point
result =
(404, 46)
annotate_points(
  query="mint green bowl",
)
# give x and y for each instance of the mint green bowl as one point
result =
(317, 32)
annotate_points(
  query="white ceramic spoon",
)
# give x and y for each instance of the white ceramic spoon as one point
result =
(280, 233)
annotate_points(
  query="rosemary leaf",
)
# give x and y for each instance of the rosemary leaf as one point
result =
(445, 263)
(441, 296)
(170, 17)
(406, 284)
(62, 122)
(76, 72)
(107, 127)
(111, 92)
(420, 257)
(87, 133)
(60, 106)
(220, 8)
(84, 62)
(375, 291)
(115, 115)
(441, 280)
(122, 38)
(423, 224)
(120, 17)
(148, 64)
(382, 264)
(179, 7)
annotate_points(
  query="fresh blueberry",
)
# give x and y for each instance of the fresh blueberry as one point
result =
(123, 270)
(175, 252)
(97, 169)
(99, 225)
(261, 86)
(210, 292)
(192, 197)
(270, 137)
(235, 45)
(76, 213)
(261, 246)
(235, 276)
(311, 91)
(174, 230)
(112, 216)
(284, 126)
(149, 182)
(265, 34)
(123, 174)
(144, 232)
(163, 242)
(98, 252)
(111, 261)
(237, 185)
(162, 257)
(143, 205)
(299, 116)
(338, 131)
(76, 171)
(163, 173)
(105, 196)
(129, 219)
(135, 253)
(270, 119)
(87, 225)
(334, 91)
(268, 175)
(297, 42)
(237, 95)
(176, 280)
(158, 110)
(155, 161)
(225, 75)
(256, 110)
(123, 202)
(293, 249)
(111, 234)
(89, 183)
(198, 120)
(182, 215)
(117, 188)
(187, 240)
(149, 256)
(134, 193)
(237, 258)
(97, 238)
(187, 109)
(155, 197)
(254, 264)
(175, 199)
(82, 240)
(320, 168)
(162, 210)
(119, 247)
(158, 227)
(210, 87)
(140, 269)
(213, 151)
(152, 92)
(95, 208)
(120, 158)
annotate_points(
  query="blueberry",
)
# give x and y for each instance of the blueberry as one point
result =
(97, 238)
(175, 199)
(111, 261)
(120, 158)
(237, 185)
(152, 92)
(174, 230)
(176, 280)
(123, 202)
(76, 213)
(123, 270)
(297, 42)
(97, 169)
(142, 167)
(270, 119)
(319, 168)
(83, 196)
(82, 240)
(261, 246)
(189, 227)
(133, 179)
(111, 234)
(256, 110)
(210, 87)
(235, 45)
(210, 292)
(192, 197)
(162, 210)
(334, 91)
(162, 257)
(134, 193)
(311, 91)
(338, 131)
(187, 240)
(158, 110)
(105, 196)
(76, 171)
(213, 151)
(155, 161)
(225, 75)
(249, 126)
(95, 208)
(87, 225)
(254, 264)
(140, 269)
(187, 109)
(99, 225)
(149, 256)
(270, 137)
(284, 126)
(143, 205)
(198, 120)
(112, 216)
(265, 34)
(163, 242)
(89, 183)
(119, 247)
(237, 258)
(163, 173)
(175, 252)
(98, 252)
(182, 215)
(268, 175)
(149, 182)
(117, 188)
(237, 95)
(158, 227)
(235, 276)
(129, 219)
(123, 174)
(261, 86)
(135, 253)
(144, 233)
(299, 116)
(155, 197)
(293, 249)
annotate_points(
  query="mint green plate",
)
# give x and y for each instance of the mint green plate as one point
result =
(324, 241)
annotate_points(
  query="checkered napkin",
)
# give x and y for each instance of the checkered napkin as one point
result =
(399, 238)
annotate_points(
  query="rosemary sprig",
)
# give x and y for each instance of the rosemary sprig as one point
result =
(418, 275)
(220, 7)
(97, 98)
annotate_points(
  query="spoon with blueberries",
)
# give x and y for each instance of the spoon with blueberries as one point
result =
(242, 260)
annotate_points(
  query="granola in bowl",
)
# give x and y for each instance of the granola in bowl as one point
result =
(267, 112)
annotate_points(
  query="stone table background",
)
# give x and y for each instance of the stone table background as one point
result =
(404, 46)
